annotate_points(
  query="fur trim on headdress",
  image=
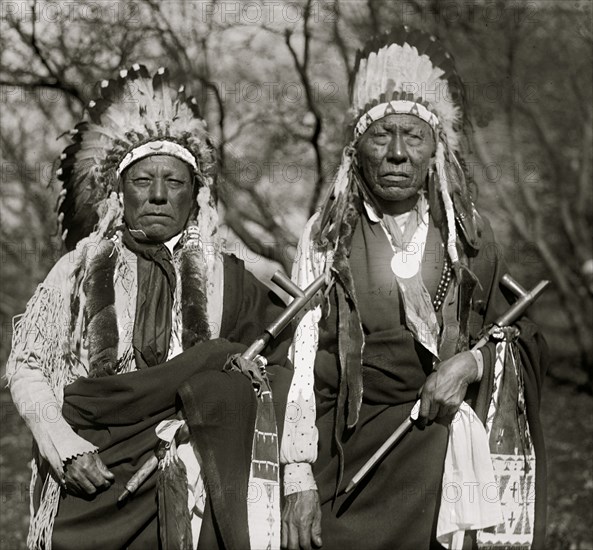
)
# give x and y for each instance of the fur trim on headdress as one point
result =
(327, 231)
(195, 274)
(135, 109)
(100, 315)
(207, 220)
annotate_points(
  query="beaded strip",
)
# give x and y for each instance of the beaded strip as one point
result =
(443, 286)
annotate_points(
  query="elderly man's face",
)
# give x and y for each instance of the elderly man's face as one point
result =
(158, 197)
(394, 155)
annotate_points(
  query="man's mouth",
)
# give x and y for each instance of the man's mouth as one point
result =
(395, 176)
(155, 215)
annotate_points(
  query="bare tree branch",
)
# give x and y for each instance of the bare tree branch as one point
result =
(564, 282)
(55, 79)
(339, 40)
(374, 17)
(178, 51)
(275, 250)
(302, 70)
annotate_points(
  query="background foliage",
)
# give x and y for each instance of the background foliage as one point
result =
(271, 77)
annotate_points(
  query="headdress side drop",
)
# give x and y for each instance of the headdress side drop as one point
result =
(135, 116)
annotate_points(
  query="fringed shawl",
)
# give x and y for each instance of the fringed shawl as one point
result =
(82, 318)
(41, 335)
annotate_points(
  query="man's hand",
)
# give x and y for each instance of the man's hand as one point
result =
(301, 521)
(87, 474)
(444, 390)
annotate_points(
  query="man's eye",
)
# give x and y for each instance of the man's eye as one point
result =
(141, 181)
(175, 183)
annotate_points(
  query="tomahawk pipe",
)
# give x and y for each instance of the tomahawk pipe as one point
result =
(512, 314)
(301, 298)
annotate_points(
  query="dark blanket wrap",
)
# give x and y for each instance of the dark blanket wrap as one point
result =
(119, 414)
(396, 506)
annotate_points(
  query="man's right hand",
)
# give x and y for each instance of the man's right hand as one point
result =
(86, 474)
(301, 521)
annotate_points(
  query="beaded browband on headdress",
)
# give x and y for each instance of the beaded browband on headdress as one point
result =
(137, 115)
(407, 71)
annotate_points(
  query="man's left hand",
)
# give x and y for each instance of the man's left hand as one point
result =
(445, 388)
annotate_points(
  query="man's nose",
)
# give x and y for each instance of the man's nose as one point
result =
(158, 191)
(397, 149)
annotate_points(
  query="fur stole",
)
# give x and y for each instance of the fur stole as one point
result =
(97, 274)
(194, 274)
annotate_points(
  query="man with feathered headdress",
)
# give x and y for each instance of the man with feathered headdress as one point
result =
(143, 312)
(413, 277)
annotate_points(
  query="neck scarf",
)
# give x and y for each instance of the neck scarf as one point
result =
(408, 249)
(156, 290)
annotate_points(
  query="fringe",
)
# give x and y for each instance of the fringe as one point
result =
(42, 522)
(43, 326)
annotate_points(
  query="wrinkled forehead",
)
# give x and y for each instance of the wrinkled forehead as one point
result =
(153, 164)
(400, 121)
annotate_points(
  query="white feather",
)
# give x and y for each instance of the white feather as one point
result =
(404, 69)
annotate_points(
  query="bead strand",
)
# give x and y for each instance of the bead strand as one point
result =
(443, 285)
